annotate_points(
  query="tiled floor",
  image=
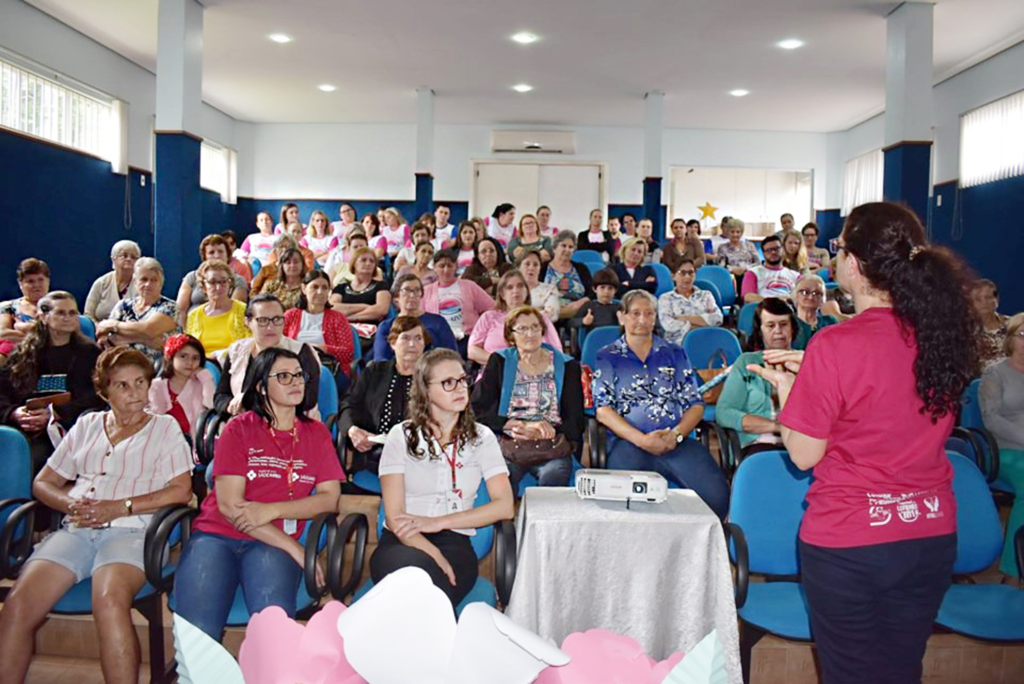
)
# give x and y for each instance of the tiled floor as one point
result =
(53, 670)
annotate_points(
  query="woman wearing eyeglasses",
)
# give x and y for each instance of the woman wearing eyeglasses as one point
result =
(488, 334)
(430, 471)
(408, 295)
(221, 320)
(268, 461)
(532, 397)
(809, 296)
(265, 318)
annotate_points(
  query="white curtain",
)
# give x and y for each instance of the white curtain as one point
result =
(862, 180)
(218, 171)
(116, 137)
(992, 141)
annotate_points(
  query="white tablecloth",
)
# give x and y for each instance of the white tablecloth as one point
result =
(658, 573)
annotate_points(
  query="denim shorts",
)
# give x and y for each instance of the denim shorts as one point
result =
(84, 550)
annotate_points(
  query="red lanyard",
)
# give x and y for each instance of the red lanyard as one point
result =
(289, 470)
(451, 462)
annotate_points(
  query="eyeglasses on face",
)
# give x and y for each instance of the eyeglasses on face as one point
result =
(216, 282)
(263, 321)
(411, 291)
(451, 384)
(813, 294)
(772, 250)
(528, 329)
(286, 378)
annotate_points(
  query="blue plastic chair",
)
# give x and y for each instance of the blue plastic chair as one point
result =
(596, 339)
(664, 276)
(702, 284)
(590, 258)
(745, 321)
(971, 424)
(765, 512)
(702, 346)
(991, 612)
(723, 280)
(483, 541)
(87, 327)
(255, 265)
(15, 490)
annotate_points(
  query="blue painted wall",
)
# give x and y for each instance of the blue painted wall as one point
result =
(638, 210)
(830, 225)
(907, 176)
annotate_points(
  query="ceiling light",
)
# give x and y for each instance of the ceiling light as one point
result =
(524, 38)
(739, 92)
(280, 37)
(327, 88)
(790, 44)
(522, 88)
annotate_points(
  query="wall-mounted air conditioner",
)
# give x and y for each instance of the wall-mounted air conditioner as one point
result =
(538, 142)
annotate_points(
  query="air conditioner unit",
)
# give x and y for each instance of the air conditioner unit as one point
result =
(539, 142)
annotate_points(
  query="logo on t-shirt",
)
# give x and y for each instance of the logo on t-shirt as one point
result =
(908, 511)
(251, 474)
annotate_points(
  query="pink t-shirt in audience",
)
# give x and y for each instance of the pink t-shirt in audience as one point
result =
(396, 238)
(489, 332)
(885, 476)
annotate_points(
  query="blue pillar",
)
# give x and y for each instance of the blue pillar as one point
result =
(652, 206)
(424, 194)
(179, 206)
(907, 175)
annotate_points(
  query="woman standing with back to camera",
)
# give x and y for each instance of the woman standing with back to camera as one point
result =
(870, 410)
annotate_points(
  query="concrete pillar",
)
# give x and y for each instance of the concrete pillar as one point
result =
(653, 133)
(424, 151)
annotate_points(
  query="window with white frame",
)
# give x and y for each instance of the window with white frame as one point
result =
(218, 170)
(862, 180)
(47, 105)
(992, 141)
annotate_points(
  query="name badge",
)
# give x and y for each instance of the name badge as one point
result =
(453, 501)
(291, 526)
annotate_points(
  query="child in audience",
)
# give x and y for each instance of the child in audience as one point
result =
(603, 311)
(184, 388)
(466, 246)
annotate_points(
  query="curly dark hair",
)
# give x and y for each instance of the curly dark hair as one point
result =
(23, 363)
(420, 422)
(929, 288)
(777, 307)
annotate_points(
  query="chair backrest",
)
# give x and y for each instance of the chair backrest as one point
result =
(357, 348)
(590, 258)
(701, 344)
(481, 541)
(15, 467)
(702, 284)
(214, 369)
(596, 339)
(745, 321)
(664, 276)
(87, 327)
(327, 399)
(768, 494)
(970, 407)
(722, 279)
(255, 265)
(979, 536)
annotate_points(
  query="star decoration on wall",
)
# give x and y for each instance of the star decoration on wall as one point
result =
(708, 211)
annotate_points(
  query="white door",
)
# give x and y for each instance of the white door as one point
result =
(572, 192)
(500, 183)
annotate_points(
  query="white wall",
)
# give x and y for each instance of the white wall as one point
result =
(41, 38)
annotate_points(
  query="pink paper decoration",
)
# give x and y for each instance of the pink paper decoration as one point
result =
(602, 656)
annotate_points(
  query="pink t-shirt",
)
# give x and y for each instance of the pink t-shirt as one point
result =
(885, 476)
(319, 245)
(489, 332)
(496, 231)
(248, 448)
(395, 238)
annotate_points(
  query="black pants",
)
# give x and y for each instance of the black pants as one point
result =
(392, 554)
(873, 607)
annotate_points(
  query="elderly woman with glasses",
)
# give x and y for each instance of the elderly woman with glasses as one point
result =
(408, 296)
(809, 295)
(430, 470)
(265, 318)
(531, 396)
(191, 293)
(221, 320)
(115, 285)
(144, 321)
(488, 334)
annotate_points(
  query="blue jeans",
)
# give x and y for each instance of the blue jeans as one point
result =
(689, 465)
(554, 473)
(212, 567)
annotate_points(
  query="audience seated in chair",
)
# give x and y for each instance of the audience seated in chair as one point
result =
(630, 269)
(17, 315)
(529, 238)
(143, 321)
(772, 279)
(239, 266)
(459, 301)
(809, 297)
(53, 356)
(364, 300)
(794, 253)
(285, 281)
(572, 280)
(1002, 407)
(112, 470)
(603, 310)
(985, 296)
(488, 334)
(420, 266)
(653, 252)
(221, 320)
(597, 239)
(817, 257)
(191, 294)
(500, 225)
(421, 232)
(686, 307)
(531, 396)
(747, 403)
(115, 285)
(489, 264)
(736, 254)
(408, 294)
(267, 463)
(543, 295)
(184, 388)
(645, 392)
(260, 244)
(340, 263)
(318, 238)
(683, 246)
(430, 469)
(317, 324)
(380, 397)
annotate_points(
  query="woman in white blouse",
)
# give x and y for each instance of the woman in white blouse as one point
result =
(104, 530)
(543, 295)
(430, 470)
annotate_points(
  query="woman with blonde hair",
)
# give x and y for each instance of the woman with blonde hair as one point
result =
(221, 320)
(794, 252)
(529, 238)
(395, 231)
(318, 238)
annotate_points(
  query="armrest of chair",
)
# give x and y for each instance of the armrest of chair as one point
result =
(1018, 543)
(505, 560)
(734, 535)
(354, 525)
(316, 528)
(157, 545)
(992, 472)
(15, 549)
(725, 457)
(210, 423)
(732, 437)
(598, 444)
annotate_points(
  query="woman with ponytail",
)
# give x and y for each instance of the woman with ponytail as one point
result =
(869, 407)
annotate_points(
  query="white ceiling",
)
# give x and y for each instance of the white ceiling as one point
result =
(595, 61)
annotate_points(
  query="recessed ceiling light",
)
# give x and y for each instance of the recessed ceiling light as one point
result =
(327, 88)
(524, 38)
(790, 44)
(522, 88)
(280, 37)
(739, 92)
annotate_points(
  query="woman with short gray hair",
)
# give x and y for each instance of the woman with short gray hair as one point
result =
(142, 321)
(572, 280)
(112, 287)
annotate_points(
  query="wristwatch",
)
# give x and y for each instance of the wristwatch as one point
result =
(680, 437)
(128, 505)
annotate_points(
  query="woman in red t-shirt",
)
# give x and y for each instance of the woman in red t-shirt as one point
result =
(266, 464)
(870, 410)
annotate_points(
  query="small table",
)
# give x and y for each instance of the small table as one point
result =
(658, 573)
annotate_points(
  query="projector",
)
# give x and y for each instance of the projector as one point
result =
(621, 485)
